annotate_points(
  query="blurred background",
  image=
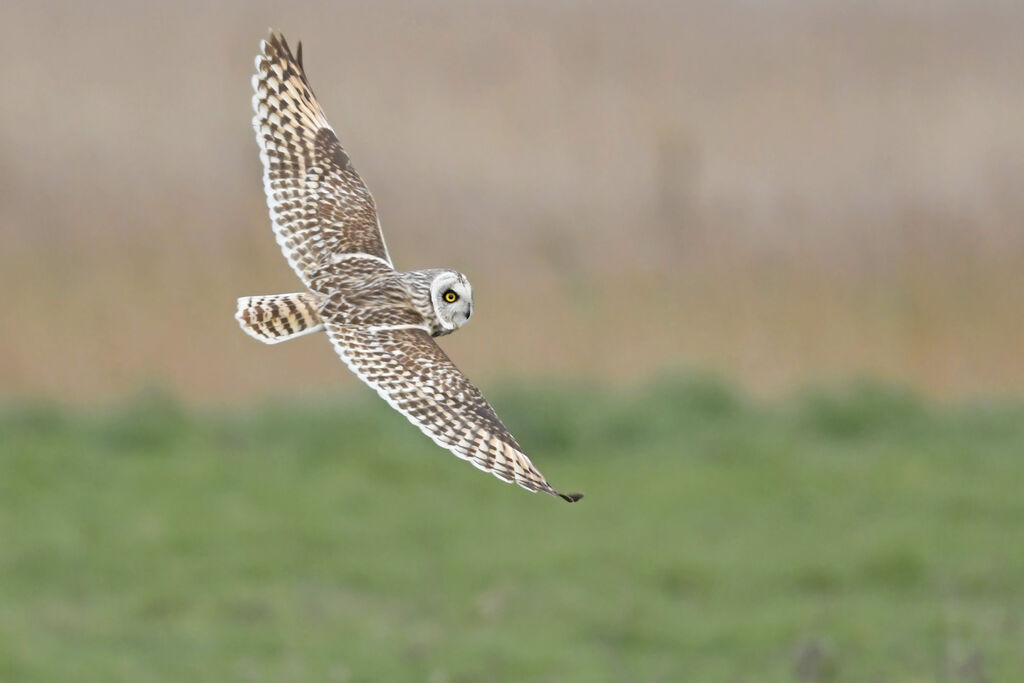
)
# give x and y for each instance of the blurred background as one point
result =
(781, 192)
(748, 274)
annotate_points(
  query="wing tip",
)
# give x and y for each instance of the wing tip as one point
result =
(278, 45)
(570, 497)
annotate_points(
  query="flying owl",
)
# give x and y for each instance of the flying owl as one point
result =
(381, 321)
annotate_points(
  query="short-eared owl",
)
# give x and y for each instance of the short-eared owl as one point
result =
(381, 321)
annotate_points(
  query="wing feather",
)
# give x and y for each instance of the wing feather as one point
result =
(411, 372)
(319, 206)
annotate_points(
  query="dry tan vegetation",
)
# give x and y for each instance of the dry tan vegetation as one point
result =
(783, 192)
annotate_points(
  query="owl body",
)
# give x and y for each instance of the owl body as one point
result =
(380, 321)
(415, 297)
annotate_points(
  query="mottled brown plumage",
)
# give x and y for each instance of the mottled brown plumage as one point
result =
(279, 317)
(381, 321)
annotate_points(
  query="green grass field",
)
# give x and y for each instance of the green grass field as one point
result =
(858, 535)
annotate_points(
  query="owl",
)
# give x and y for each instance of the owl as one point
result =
(381, 321)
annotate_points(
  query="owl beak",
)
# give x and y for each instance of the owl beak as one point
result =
(469, 311)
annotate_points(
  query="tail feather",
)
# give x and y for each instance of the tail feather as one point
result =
(279, 317)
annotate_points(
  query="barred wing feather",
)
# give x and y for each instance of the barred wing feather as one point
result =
(319, 206)
(411, 372)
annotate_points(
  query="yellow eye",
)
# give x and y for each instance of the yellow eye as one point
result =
(451, 297)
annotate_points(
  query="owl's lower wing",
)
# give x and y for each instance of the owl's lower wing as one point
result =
(320, 208)
(411, 372)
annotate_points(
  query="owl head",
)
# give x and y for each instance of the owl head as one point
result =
(452, 298)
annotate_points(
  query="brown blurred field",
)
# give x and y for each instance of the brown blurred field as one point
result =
(783, 192)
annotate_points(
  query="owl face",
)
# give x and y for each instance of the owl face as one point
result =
(452, 297)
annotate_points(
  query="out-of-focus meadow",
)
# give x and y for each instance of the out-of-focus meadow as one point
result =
(781, 191)
(837, 537)
(787, 195)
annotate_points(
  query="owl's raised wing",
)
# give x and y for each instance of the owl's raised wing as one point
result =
(411, 372)
(319, 206)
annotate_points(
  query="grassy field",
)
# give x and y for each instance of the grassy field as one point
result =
(854, 535)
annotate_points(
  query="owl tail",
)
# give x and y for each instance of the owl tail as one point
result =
(279, 317)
